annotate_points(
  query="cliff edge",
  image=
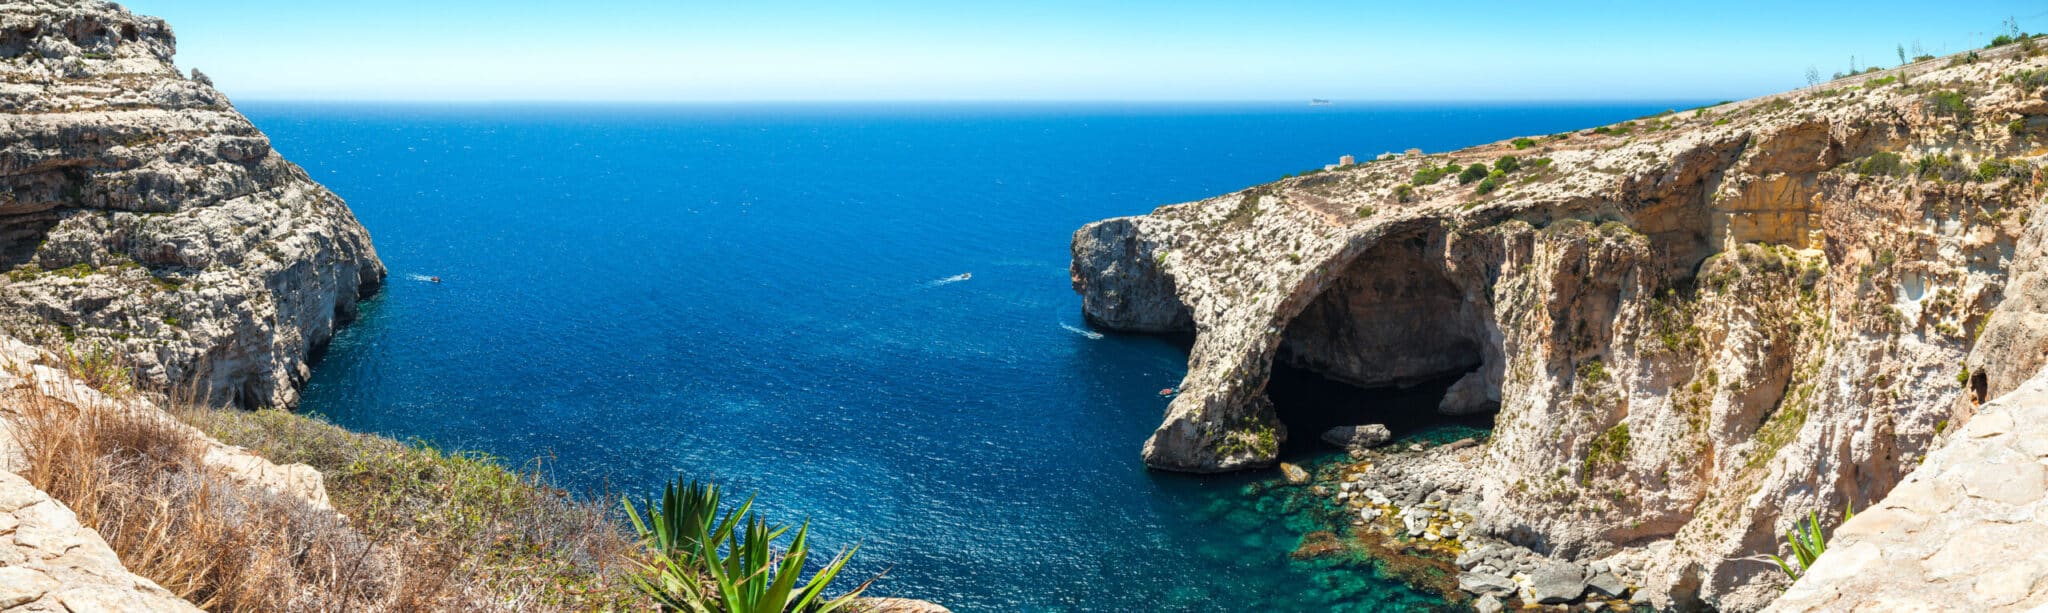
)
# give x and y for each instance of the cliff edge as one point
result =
(142, 216)
(1691, 328)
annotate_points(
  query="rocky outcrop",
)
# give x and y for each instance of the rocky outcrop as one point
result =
(26, 371)
(1358, 437)
(48, 562)
(1696, 327)
(140, 215)
(1962, 532)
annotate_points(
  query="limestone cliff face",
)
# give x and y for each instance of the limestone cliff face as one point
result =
(1962, 532)
(140, 214)
(1695, 327)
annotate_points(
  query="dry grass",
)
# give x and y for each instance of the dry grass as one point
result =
(138, 480)
(425, 530)
(506, 540)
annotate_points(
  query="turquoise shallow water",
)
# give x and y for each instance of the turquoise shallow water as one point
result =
(758, 295)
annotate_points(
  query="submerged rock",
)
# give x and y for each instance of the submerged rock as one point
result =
(1358, 437)
(1294, 474)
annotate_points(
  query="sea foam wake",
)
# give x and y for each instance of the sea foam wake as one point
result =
(949, 280)
(1091, 334)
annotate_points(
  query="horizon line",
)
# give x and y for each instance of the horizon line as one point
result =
(966, 101)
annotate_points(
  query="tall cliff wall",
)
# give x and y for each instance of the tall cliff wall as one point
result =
(1694, 327)
(142, 216)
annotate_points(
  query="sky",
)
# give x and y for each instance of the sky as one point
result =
(1142, 50)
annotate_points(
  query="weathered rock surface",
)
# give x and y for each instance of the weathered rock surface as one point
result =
(1556, 582)
(26, 370)
(48, 562)
(1358, 437)
(142, 216)
(1486, 584)
(1697, 327)
(1965, 531)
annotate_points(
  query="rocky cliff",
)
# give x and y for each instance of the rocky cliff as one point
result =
(143, 217)
(1691, 328)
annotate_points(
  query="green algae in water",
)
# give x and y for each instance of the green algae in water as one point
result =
(1259, 521)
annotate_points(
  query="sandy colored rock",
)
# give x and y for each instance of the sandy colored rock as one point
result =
(54, 564)
(1981, 551)
(142, 216)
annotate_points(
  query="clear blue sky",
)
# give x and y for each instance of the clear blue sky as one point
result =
(659, 50)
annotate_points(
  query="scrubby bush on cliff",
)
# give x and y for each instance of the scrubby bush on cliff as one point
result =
(1882, 164)
(705, 562)
(1490, 183)
(1523, 143)
(2001, 168)
(1951, 104)
(1472, 173)
(1507, 163)
(1942, 168)
(468, 533)
(1431, 174)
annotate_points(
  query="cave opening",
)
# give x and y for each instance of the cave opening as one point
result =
(1384, 343)
(1309, 403)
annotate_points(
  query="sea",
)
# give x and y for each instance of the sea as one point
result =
(860, 313)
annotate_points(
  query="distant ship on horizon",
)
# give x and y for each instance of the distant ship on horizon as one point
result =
(1318, 102)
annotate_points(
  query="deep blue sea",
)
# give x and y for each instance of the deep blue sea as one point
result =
(761, 295)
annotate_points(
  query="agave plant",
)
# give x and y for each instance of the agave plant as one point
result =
(705, 563)
(1807, 544)
(684, 520)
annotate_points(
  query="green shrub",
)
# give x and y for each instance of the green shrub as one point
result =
(1941, 167)
(1429, 175)
(1609, 448)
(1472, 173)
(1999, 168)
(1403, 193)
(1523, 143)
(1593, 372)
(2029, 79)
(1877, 83)
(1490, 183)
(1507, 163)
(1882, 163)
(1949, 103)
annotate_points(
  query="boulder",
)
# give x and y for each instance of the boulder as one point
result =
(1294, 474)
(1469, 396)
(1487, 604)
(1607, 585)
(1486, 584)
(1554, 582)
(1358, 437)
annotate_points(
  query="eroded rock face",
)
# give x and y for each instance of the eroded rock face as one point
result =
(140, 215)
(1696, 327)
(1962, 532)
